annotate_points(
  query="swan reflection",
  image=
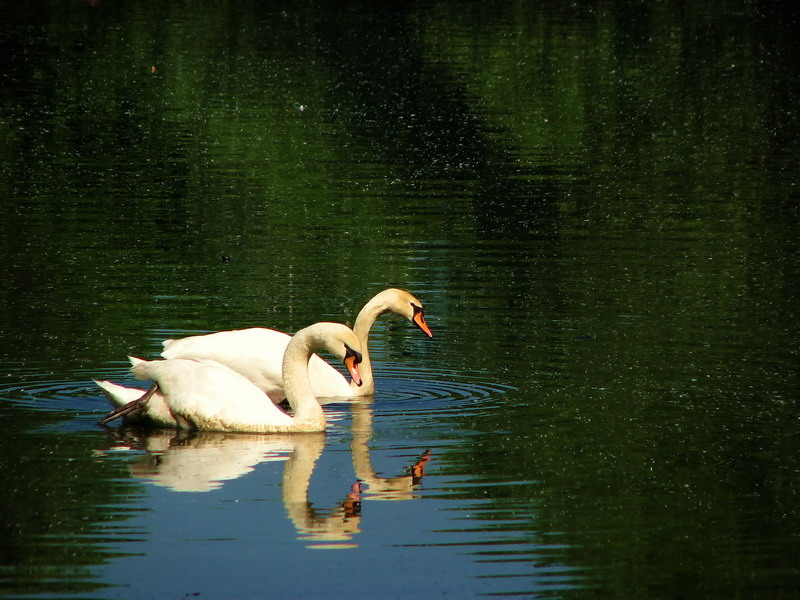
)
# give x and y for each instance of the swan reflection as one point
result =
(200, 461)
(319, 528)
(203, 461)
(403, 487)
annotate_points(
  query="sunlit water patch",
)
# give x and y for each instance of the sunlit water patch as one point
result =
(382, 477)
(386, 475)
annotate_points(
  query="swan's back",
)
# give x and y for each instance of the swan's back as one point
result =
(209, 396)
(257, 354)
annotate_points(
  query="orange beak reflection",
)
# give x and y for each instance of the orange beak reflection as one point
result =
(351, 362)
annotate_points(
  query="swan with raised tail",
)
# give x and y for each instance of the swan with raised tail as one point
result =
(205, 395)
(257, 352)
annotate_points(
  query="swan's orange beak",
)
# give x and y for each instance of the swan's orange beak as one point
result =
(419, 321)
(351, 362)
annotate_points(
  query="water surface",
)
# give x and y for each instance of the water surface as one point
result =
(597, 205)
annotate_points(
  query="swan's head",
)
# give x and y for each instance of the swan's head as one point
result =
(418, 318)
(352, 358)
(337, 339)
(406, 305)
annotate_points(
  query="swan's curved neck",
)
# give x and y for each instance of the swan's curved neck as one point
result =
(298, 389)
(364, 321)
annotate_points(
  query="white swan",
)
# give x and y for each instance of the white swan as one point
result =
(256, 353)
(205, 395)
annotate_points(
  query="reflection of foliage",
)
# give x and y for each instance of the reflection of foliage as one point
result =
(60, 507)
(588, 191)
(131, 184)
(234, 145)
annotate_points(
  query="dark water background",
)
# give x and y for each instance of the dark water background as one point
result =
(597, 203)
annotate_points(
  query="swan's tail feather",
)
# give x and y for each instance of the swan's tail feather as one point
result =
(130, 406)
(118, 395)
(135, 361)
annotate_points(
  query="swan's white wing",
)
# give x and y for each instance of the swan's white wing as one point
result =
(257, 354)
(202, 394)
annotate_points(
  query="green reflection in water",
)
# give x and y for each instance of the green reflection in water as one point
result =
(63, 510)
(595, 202)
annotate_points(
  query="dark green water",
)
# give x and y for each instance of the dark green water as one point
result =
(597, 203)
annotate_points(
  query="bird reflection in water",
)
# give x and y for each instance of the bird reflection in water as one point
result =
(203, 461)
(403, 487)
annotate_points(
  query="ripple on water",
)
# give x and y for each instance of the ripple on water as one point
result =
(402, 393)
(77, 396)
(435, 391)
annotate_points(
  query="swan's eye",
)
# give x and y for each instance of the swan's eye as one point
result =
(348, 352)
(417, 309)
